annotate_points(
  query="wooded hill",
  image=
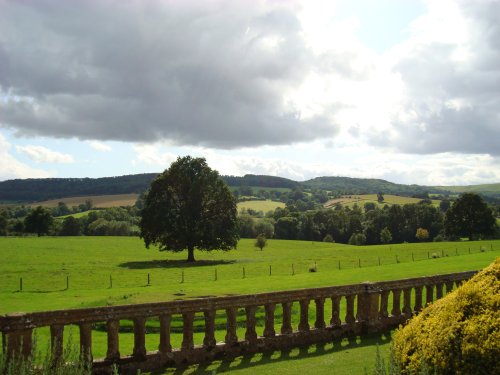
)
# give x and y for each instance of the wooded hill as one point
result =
(33, 190)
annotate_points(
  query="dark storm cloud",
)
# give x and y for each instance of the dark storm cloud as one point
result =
(453, 102)
(210, 74)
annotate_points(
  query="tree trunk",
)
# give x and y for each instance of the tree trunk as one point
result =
(191, 254)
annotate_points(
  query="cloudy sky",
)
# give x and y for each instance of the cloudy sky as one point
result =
(407, 91)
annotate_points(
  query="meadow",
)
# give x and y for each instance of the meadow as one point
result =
(260, 205)
(360, 200)
(74, 272)
(98, 201)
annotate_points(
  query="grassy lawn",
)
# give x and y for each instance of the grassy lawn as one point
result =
(45, 264)
(263, 205)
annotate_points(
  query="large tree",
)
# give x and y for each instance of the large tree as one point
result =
(38, 221)
(189, 207)
(469, 216)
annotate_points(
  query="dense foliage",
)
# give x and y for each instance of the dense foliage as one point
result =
(189, 207)
(458, 334)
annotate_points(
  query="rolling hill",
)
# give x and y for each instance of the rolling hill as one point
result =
(35, 190)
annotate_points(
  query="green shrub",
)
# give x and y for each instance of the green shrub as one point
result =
(458, 334)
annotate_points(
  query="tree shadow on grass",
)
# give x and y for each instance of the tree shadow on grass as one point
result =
(253, 361)
(169, 263)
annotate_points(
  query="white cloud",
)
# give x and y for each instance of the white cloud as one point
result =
(40, 154)
(11, 168)
(99, 146)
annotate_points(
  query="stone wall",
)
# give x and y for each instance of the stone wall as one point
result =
(366, 311)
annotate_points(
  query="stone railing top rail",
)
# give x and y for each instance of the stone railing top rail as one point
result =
(20, 321)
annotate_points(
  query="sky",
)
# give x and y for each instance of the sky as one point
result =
(403, 90)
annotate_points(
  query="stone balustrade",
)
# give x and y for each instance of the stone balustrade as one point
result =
(355, 309)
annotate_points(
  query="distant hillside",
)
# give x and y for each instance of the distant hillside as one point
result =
(35, 190)
(491, 190)
(348, 185)
(41, 189)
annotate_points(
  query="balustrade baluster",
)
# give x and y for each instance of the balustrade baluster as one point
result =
(18, 342)
(286, 326)
(429, 291)
(56, 341)
(349, 317)
(396, 302)
(304, 315)
(384, 304)
(187, 331)
(269, 324)
(139, 337)
(209, 339)
(250, 333)
(86, 341)
(231, 337)
(335, 320)
(418, 298)
(165, 345)
(113, 352)
(320, 313)
(449, 286)
(439, 290)
(407, 310)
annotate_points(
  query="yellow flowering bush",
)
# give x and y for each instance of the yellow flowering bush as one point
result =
(458, 334)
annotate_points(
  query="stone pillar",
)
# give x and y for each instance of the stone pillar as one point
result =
(231, 337)
(407, 310)
(187, 331)
(439, 290)
(349, 317)
(418, 298)
(56, 342)
(269, 324)
(396, 302)
(429, 289)
(320, 313)
(250, 333)
(384, 303)
(209, 339)
(139, 337)
(449, 286)
(86, 342)
(113, 352)
(335, 320)
(286, 326)
(165, 345)
(18, 343)
(304, 315)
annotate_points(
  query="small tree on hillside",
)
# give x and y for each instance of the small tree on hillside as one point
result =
(260, 241)
(385, 235)
(422, 234)
(189, 207)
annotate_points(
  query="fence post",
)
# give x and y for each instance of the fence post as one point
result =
(182, 279)
(244, 272)
(21, 284)
(293, 270)
(67, 282)
(270, 270)
(215, 275)
(149, 280)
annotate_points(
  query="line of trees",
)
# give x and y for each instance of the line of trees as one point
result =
(469, 217)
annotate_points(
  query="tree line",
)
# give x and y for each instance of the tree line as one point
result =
(469, 216)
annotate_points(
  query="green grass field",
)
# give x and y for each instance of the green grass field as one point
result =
(360, 200)
(262, 205)
(98, 201)
(45, 263)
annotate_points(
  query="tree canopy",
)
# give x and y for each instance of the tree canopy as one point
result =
(189, 207)
(38, 221)
(470, 216)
